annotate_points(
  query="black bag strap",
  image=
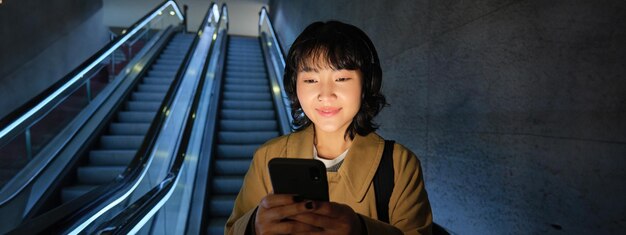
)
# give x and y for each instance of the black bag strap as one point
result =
(384, 182)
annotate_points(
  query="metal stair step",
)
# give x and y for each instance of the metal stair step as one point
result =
(135, 116)
(247, 96)
(162, 74)
(143, 106)
(227, 137)
(231, 166)
(243, 81)
(221, 205)
(111, 157)
(236, 151)
(248, 125)
(157, 81)
(248, 114)
(246, 88)
(93, 175)
(152, 88)
(128, 128)
(148, 96)
(226, 184)
(247, 105)
(121, 142)
(216, 225)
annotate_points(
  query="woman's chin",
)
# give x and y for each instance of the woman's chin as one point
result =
(329, 128)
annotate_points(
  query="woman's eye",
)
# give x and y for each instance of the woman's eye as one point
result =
(342, 79)
(309, 81)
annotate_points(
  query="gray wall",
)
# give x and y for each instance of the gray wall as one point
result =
(517, 109)
(41, 42)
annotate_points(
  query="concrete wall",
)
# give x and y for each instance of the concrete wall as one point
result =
(517, 109)
(244, 14)
(41, 42)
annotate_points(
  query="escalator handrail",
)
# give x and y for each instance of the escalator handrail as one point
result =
(63, 215)
(263, 14)
(128, 220)
(79, 72)
(280, 96)
(29, 113)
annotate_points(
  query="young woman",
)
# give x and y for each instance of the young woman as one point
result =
(333, 79)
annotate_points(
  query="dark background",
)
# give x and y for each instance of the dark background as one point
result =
(516, 109)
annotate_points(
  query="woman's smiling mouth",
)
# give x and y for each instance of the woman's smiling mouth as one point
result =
(327, 111)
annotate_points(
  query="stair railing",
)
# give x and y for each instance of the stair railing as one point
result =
(136, 216)
(274, 56)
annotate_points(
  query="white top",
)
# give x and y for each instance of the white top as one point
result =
(330, 163)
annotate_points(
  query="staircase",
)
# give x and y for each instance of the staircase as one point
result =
(246, 120)
(118, 145)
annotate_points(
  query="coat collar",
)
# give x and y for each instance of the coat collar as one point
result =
(359, 166)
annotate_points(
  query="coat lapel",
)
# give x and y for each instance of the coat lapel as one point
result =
(359, 166)
(300, 144)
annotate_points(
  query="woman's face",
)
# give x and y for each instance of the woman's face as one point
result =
(329, 98)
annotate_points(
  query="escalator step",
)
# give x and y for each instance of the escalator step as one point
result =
(157, 81)
(216, 225)
(248, 114)
(161, 74)
(231, 166)
(143, 106)
(169, 61)
(243, 73)
(152, 88)
(242, 76)
(225, 137)
(121, 142)
(243, 81)
(162, 67)
(221, 205)
(94, 175)
(247, 105)
(176, 50)
(111, 157)
(247, 96)
(228, 185)
(246, 88)
(128, 128)
(244, 60)
(236, 151)
(247, 69)
(248, 66)
(135, 116)
(69, 193)
(147, 96)
(239, 125)
(243, 54)
(173, 55)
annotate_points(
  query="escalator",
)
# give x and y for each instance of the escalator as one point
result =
(246, 119)
(123, 136)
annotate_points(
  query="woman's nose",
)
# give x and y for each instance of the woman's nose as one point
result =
(327, 92)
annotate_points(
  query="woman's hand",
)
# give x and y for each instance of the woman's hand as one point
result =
(274, 211)
(331, 218)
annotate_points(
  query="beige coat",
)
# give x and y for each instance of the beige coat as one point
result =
(409, 208)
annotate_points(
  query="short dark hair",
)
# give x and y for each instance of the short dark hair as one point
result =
(343, 46)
